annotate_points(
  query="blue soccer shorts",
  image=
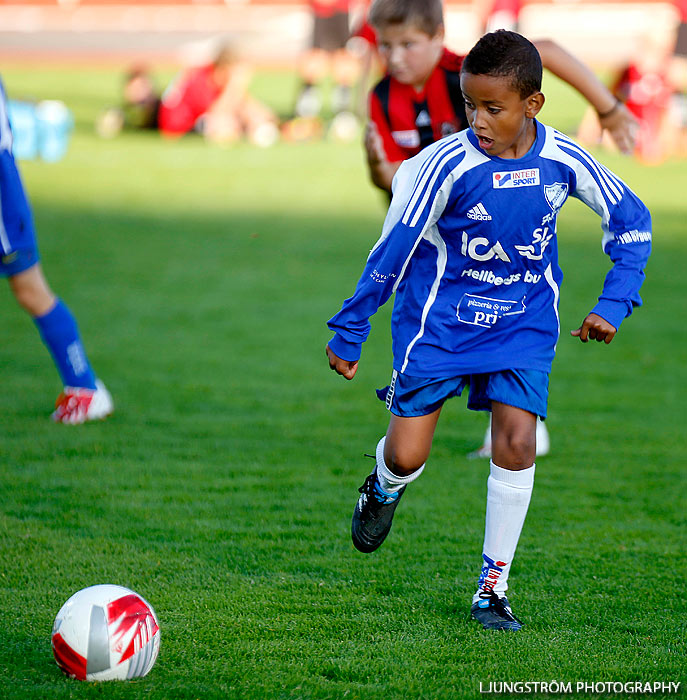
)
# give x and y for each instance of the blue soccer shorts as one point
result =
(18, 248)
(418, 396)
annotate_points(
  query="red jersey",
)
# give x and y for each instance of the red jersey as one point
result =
(646, 95)
(187, 98)
(408, 120)
(681, 6)
(327, 8)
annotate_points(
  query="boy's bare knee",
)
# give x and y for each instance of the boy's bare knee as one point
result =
(32, 292)
(403, 464)
(35, 301)
(514, 452)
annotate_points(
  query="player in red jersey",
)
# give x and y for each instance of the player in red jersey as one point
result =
(419, 100)
(213, 99)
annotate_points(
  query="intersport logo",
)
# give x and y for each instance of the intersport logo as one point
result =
(515, 178)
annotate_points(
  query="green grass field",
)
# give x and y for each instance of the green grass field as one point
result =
(222, 488)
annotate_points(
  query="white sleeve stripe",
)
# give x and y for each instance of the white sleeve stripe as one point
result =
(428, 163)
(612, 176)
(5, 131)
(609, 176)
(4, 239)
(612, 189)
(426, 180)
(419, 210)
(605, 176)
(612, 196)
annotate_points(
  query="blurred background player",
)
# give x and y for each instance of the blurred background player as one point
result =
(141, 101)
(419, 100)
(643, 86)
(677, 74)
(214, 100)
(499, 14)
(84, 397)
(327, 56)
(139, 107)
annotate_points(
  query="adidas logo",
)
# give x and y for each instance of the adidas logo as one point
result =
(479, 213)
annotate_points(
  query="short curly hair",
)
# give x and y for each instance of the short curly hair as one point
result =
(507, 54)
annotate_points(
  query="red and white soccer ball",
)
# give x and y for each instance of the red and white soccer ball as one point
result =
(105, 633)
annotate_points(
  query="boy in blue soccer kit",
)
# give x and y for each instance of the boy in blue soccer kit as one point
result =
(84, 396)
(469, 248)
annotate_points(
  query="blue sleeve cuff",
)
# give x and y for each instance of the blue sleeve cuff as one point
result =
(613, 311)
(345, 350)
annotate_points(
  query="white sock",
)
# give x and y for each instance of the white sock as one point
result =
(508, 497)
(390, 482)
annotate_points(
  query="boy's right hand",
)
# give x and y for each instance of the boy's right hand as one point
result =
(595, 327)
(374, 146)
(345, 368)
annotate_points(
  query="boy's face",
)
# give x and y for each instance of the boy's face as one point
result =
(498, 116)
(409, 53)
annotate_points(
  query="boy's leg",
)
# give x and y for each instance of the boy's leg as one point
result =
(84, 398)
(399, 459)
(56, 325)
(408, 442)
(509, 489)
(543, 442)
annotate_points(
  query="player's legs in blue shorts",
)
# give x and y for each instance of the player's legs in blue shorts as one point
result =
(516, 398)
(83, 398)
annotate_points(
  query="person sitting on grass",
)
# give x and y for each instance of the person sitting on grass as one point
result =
(469, 248)
(84, 396)
(214, 100)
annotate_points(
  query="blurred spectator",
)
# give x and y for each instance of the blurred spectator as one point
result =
(643, 86)
(678, 77)
(327, 56)
(499, 14)
(363, 45)
(214, 100)
(139, 106)
(141, 101)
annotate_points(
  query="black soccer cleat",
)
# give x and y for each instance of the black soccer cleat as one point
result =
(373, 514)
(494, 613)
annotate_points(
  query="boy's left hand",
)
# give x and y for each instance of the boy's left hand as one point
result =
(596, 328)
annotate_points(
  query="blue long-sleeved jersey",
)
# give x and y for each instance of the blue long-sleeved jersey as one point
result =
(469, 247)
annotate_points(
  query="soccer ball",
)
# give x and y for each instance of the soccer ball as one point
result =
(105, 633)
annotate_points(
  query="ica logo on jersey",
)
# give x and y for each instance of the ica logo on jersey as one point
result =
(515, 178)
(479, 248)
